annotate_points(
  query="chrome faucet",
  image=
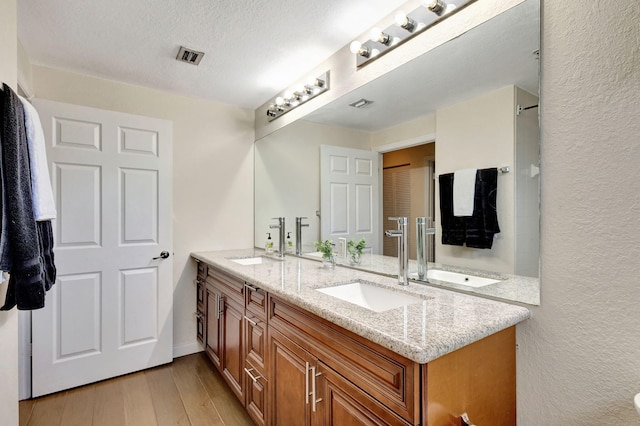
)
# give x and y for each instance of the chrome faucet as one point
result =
(281, 232)
(299, 226)
(422, 231)
(403, 259)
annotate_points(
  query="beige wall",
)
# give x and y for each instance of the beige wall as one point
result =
(413, 131)
(8, 320)
(212, 172)
(579, 355)
(483, 129)
(288, 176)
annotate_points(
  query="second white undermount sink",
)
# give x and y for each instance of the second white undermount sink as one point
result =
(256, 260)
(458, 278)
(378, 299)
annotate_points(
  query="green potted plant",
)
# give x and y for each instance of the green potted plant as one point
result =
(355, 250)
(326, 248)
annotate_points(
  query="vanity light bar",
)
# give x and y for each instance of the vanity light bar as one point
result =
(405, 27)
(290, 100)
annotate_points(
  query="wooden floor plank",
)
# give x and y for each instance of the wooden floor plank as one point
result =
(78, 409)
(153, 397)
(25, 410)
(196, 400)
(138, 405)
(47, 410)
(166, 398)
(108, 408)
(228, 406)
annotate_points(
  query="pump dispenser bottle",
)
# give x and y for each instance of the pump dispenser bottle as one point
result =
(268, 246)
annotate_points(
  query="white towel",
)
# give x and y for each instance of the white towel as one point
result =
(44, 208)
(464, 188)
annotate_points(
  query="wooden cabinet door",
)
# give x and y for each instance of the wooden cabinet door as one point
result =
(256, 394)
(233, 356)
(213, 331)
(345, 404)
(289, 382)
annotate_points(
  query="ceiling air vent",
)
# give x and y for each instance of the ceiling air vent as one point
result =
(189, 56)
(361, 103)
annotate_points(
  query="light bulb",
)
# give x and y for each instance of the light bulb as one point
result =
(288, 94)
(376, 34)
(279, 101)
(379, 36)
(401, 19)
(357, 48)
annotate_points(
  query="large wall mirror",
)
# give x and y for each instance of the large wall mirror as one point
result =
(469, 103)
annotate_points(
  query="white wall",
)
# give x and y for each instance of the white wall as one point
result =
(212, 172)
(8, 320)
(483, 129)
(579, 356)
(287, 167)
(527, 187)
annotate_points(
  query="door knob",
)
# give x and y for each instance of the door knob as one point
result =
(163, 255)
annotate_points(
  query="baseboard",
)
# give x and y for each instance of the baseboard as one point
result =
(187, 349)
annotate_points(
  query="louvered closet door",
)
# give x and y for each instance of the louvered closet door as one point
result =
(110, 311)
(350, 195)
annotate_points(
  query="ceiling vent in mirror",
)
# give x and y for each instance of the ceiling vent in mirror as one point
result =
(362, 103)
(189, 56)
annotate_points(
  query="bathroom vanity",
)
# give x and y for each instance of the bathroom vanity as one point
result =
(294, 355)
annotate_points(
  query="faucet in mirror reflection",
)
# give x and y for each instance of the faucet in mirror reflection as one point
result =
(299, 226)
(422, 233)
(403, 260)
(281, 234)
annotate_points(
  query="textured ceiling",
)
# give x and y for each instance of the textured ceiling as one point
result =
(252, 48)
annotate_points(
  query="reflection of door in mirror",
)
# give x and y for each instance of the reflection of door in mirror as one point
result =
(408, 191)
(349, 195)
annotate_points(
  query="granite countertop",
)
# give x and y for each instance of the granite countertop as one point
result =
(441, 323)
(514, 288)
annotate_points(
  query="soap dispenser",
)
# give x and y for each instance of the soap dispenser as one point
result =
(268, 247)
(289, 246)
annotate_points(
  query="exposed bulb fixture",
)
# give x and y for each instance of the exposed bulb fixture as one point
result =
(402, 20)
(358, 48)
(439, 7)
(377, 35)
(290, 99)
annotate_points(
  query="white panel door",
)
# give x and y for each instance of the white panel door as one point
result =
(110, 311)
(350, 195)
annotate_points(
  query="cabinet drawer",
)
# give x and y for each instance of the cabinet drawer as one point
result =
(200, 296)
(256, 341)
(256, 394)
(200, 326)
(202, 270)
(256, 300)
(383, 374)
(228, 285)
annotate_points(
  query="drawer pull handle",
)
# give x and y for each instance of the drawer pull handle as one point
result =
(255, 379)
(306, 383)
(314, 401)
(253, 323)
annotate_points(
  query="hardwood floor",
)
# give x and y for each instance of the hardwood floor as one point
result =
(190, 391)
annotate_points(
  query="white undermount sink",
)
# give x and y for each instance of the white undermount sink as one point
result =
(257, 260)
(636, 402)
(378, 299)
(458, 278)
